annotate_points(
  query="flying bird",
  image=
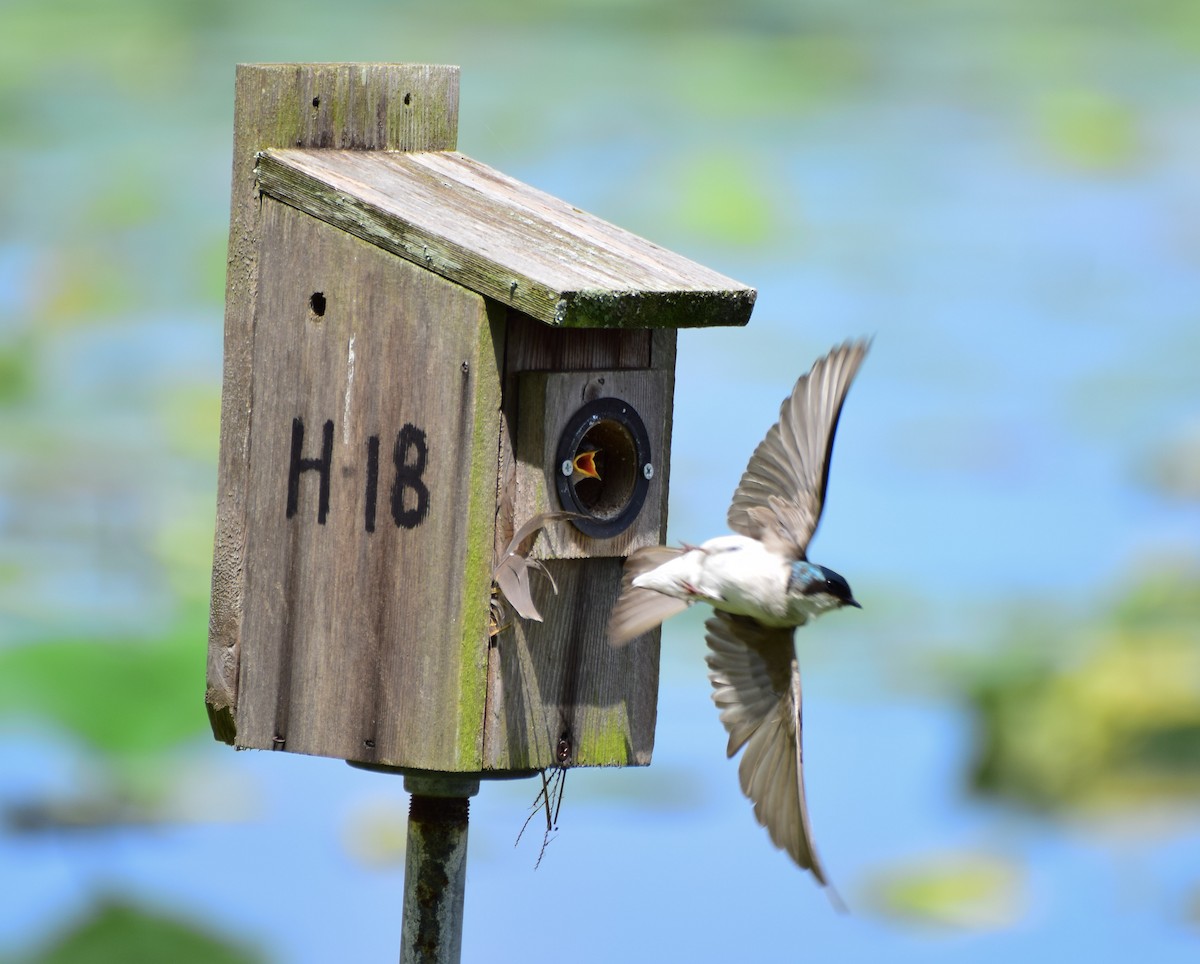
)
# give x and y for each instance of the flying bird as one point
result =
(761, 586)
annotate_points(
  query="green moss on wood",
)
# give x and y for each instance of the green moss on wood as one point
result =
(619, 309)
(606, 743)
(480, 549)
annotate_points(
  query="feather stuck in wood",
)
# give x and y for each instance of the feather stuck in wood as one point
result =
(511, 574)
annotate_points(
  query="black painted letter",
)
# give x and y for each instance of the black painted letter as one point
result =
(372, 492)
(299, 464)
(408, 476)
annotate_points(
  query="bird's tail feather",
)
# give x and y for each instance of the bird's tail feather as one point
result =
(637, 610)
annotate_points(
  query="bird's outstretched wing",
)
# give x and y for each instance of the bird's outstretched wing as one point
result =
(756, 686)
(782, 491)
(638, 611)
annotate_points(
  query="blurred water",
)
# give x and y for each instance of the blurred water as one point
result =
(1008, 204)
(628, 878)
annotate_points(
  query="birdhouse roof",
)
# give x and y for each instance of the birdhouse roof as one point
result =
(506, 240)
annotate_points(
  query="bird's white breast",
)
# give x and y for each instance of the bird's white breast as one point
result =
(734, 573)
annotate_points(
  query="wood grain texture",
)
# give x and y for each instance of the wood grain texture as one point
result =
(515, 244)
(374, 106)
(558, 395)
(536, 347)
(368, 641)
(374, 646)
(531, 346)
(558, 694)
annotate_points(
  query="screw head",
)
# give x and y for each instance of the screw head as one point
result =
(566, 468)
(648, 470)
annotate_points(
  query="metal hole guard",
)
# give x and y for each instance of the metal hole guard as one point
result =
(616, 431)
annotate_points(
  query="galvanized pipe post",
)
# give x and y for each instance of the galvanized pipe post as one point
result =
(435, 867)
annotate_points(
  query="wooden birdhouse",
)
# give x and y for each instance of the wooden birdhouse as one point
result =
(421, 355)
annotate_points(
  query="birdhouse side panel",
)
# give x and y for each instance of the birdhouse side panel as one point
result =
(370, 523)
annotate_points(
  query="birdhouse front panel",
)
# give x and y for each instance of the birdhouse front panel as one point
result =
(558, 694)
(599, 451)
(370, 531)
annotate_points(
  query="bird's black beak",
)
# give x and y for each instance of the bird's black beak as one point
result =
(852, 602)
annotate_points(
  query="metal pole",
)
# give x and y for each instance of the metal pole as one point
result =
(435, 867)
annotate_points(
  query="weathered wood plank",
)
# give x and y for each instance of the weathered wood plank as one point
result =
(370, 534)
(533, 346)
(558, 395)
(662, 358)
(376, 106)
(560, 695)
(560, 680)
(504, 239)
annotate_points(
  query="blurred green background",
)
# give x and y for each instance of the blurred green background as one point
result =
(1003, 749)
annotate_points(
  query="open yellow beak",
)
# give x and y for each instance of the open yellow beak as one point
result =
(585, 464)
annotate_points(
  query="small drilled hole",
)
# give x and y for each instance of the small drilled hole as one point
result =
(316, 102)
(317, 303)
(407, 99)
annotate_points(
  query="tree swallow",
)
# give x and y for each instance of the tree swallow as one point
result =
(761, 586)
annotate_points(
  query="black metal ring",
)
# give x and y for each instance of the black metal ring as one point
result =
(615, 430)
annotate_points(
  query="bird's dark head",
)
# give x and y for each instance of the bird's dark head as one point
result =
(822, 585)
(837, 587)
